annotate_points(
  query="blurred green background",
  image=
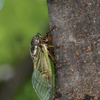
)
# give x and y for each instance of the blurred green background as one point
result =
(19, 21)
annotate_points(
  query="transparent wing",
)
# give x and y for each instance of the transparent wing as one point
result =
(42, 75)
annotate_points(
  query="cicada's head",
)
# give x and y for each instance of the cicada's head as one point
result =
(35, 42)
(36, 39)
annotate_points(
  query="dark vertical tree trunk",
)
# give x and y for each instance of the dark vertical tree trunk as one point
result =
(76, 39)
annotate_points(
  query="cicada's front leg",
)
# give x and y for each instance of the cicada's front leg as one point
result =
(50, 46)
(47, 37)
(51, 56)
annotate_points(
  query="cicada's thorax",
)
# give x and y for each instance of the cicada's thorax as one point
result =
(37, 43)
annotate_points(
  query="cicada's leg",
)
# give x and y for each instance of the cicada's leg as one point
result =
(52, 58)
(49, 53)
(51, 30)
(50, 46)
(47, 38)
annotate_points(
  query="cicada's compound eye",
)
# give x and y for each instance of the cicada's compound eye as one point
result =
(38, 35)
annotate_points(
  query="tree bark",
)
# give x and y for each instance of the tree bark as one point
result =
(76, 41)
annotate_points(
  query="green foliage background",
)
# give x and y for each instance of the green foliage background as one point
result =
(19, 21)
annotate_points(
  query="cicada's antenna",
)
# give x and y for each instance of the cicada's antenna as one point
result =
(50, 30)
(47, 37)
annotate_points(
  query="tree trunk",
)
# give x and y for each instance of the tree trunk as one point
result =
(76, 41)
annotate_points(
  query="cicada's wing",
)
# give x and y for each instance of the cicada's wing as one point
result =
(42, 75)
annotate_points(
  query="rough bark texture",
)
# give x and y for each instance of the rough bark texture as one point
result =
(77, 48)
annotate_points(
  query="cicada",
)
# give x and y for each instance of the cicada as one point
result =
(43, 71)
